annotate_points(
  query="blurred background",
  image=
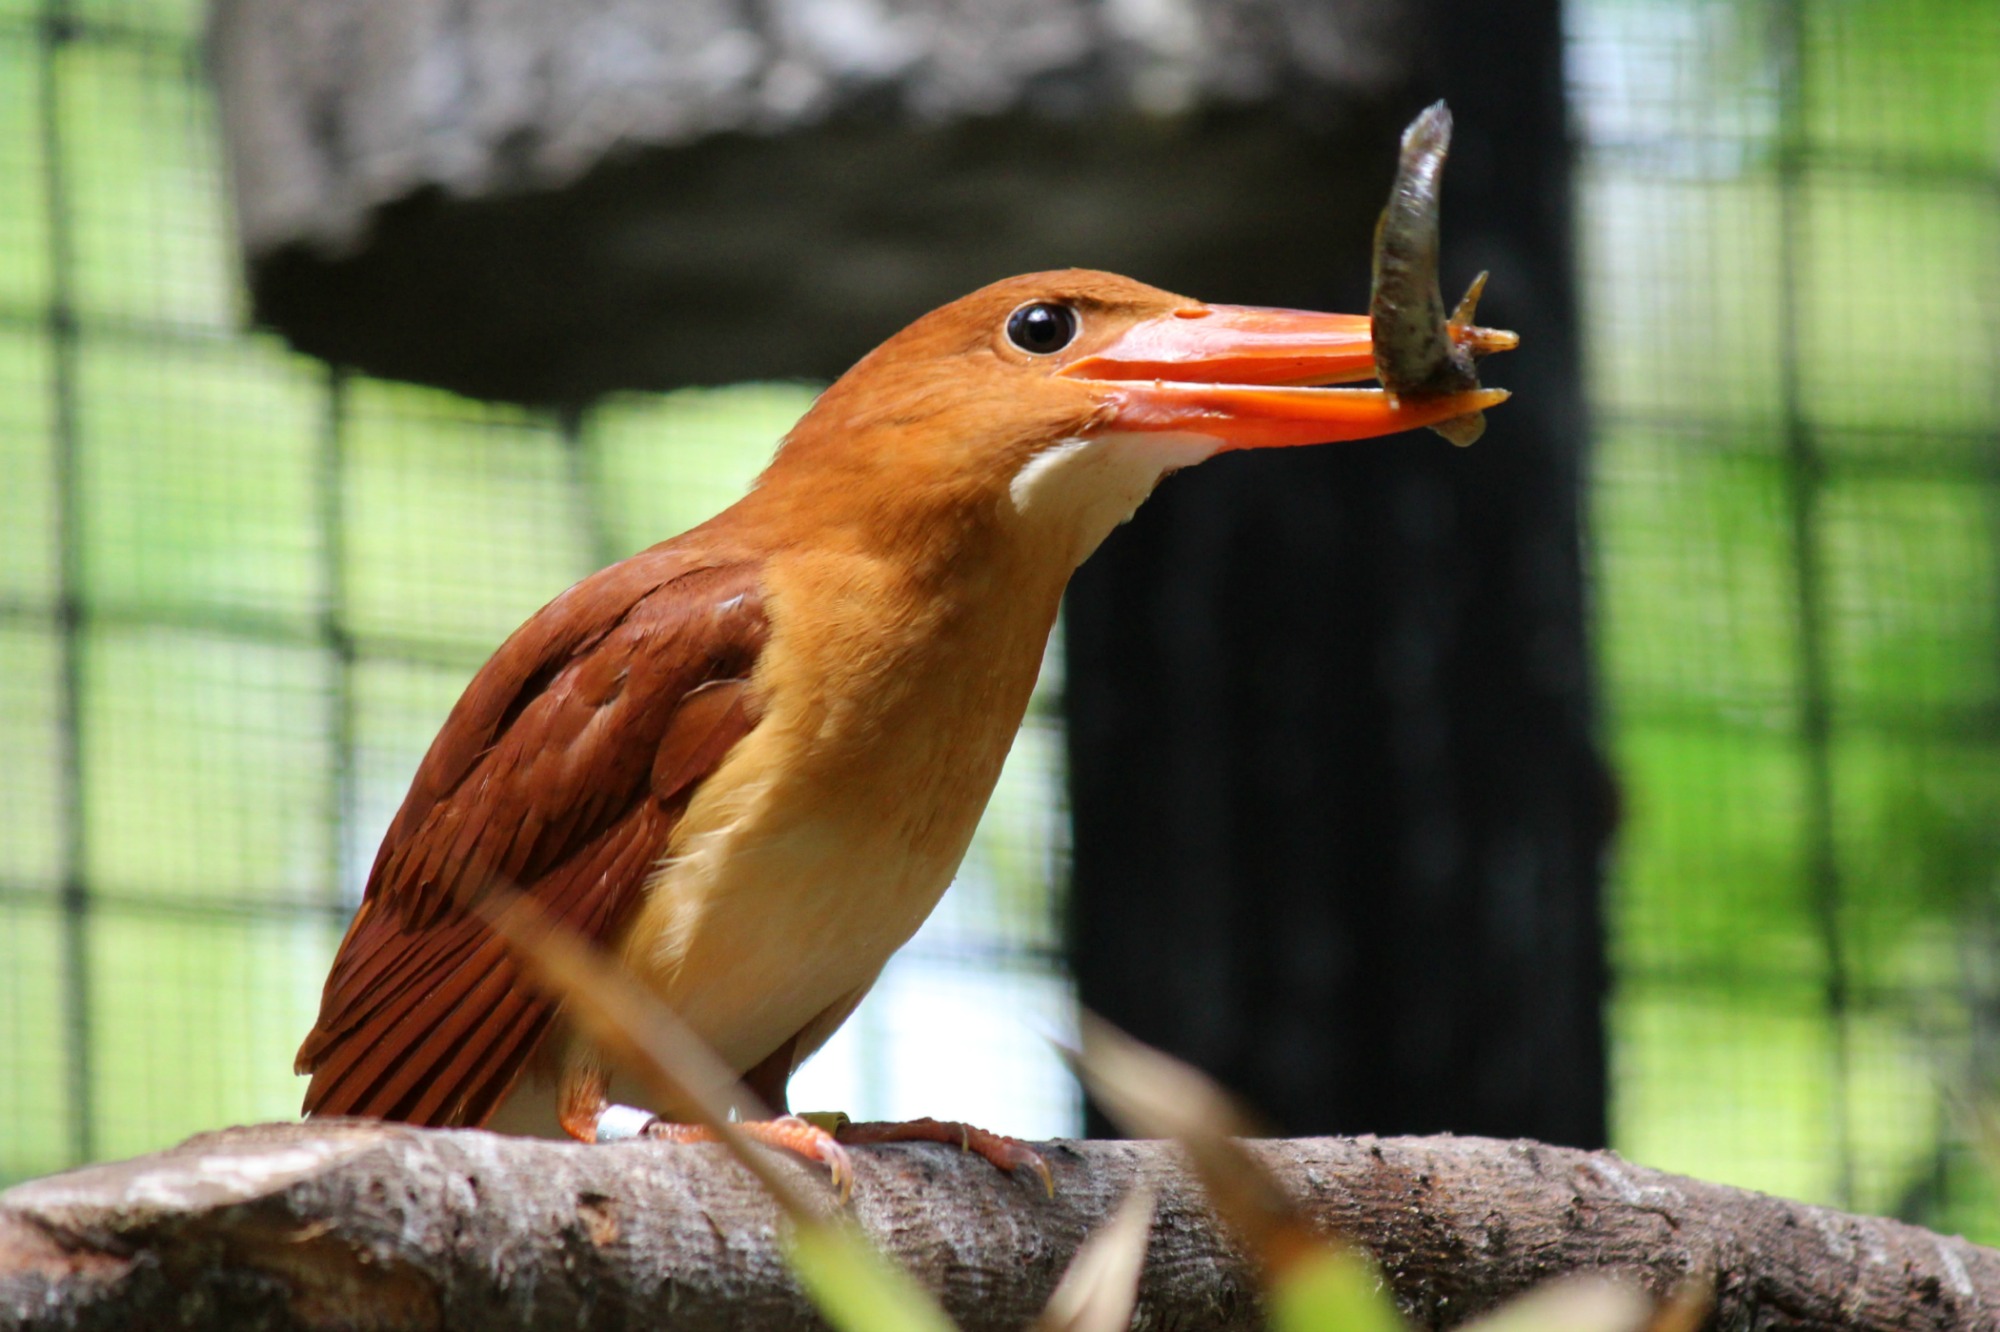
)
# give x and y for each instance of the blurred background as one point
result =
(1633, 777)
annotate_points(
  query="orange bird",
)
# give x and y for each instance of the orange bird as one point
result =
(748, 760)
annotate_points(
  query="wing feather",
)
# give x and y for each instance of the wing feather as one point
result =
(562, 772)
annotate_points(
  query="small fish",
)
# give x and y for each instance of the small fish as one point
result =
(1418, 351)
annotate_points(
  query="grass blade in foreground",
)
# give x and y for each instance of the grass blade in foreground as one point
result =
(854, 1285)
(1576, 1304)
(856, 1288)
(1153, 1095)
(1315, 1283)
(1101, 1287)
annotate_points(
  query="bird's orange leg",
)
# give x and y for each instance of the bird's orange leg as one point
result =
(585, 1111)
(582, 1098)
(1008, 1154)
(788, 1132)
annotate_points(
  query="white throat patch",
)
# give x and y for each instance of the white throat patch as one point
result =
(1084, 486)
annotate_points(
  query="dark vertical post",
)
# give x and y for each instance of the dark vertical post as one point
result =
(1802, 492)
(343, 796)
(57, 29)
(583, 456)
(1338, 812)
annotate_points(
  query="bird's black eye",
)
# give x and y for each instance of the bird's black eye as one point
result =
(1042, 328)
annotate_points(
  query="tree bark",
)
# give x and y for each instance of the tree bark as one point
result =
(362, 1224)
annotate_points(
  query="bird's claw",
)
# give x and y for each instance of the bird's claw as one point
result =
(789, 1132)
(1012, 1155)
(1008, 1154)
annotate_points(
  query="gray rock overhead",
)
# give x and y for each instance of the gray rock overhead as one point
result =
(336, 109)
(530, 200)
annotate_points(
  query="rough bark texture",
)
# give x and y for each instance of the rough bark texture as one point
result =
(353, 1224)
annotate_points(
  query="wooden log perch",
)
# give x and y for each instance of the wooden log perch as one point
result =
(354, 1224)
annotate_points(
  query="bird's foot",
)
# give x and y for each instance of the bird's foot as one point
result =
(790, 1133)
(1008, 1154)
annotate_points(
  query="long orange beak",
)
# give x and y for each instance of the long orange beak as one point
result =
(1247, 375)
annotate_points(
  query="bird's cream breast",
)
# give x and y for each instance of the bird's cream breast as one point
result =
(825, 838)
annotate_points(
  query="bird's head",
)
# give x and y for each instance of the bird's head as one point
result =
(1052, 404)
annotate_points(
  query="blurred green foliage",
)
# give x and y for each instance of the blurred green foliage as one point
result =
(1764, 1034)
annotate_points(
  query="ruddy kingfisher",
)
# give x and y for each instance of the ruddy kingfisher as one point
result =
(748, 760)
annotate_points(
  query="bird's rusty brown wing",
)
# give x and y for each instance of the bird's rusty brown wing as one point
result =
(561, 773)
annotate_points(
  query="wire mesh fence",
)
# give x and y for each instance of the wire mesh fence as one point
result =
(1791, 221)
(238, 593)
